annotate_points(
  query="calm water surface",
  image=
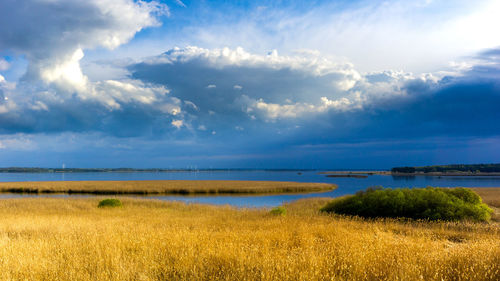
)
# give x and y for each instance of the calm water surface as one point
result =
(345, 185)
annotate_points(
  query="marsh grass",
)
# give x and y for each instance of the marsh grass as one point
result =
(182, 187)
(71, 239)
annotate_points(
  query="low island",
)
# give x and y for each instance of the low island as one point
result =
(152, 187)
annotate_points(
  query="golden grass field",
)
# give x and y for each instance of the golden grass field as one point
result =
(163, 187)
(72, 239)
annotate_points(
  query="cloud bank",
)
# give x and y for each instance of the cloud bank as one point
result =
(194, 91)
(298, 90)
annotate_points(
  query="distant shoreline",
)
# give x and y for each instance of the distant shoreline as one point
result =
(447, 174)
(389, 173)
(331, 173)
(133, 170)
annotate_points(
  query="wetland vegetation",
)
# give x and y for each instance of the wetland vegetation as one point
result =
(72, 239)
(144, 239)
(149, 187)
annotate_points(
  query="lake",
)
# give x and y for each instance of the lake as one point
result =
(345, 185)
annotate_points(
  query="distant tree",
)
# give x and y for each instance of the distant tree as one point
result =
(406, 170)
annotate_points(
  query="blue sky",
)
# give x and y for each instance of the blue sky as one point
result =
(249, 84)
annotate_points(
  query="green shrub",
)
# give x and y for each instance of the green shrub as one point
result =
(417, 203)
(278, 211)
(110, 203)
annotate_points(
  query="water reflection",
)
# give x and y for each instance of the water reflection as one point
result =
(403, 178)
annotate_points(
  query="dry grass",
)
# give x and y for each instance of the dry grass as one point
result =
(490, 195)
(72, 239)
(163, 187)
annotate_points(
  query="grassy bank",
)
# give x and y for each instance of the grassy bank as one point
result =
(185, 187)
(72, 239)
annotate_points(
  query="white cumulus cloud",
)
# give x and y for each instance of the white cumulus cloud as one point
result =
(55, 44)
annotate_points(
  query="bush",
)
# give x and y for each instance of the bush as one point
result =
(110, 203)
(278, 211)
(417, 203)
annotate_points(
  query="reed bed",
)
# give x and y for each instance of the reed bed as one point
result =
(184, 187)
(72, 239)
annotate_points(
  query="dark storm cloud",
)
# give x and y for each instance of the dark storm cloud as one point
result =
(462, 107)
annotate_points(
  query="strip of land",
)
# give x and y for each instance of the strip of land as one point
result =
(450, 170)
(404, 174)
(472, 170)
(149, 187)
(447, 174)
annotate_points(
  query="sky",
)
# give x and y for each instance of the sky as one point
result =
(249, 84)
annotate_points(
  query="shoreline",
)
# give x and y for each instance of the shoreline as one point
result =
(430, 174)
(449, 174)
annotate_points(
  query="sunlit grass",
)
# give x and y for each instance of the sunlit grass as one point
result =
(490, 195)
(72, 239)
(163, 187)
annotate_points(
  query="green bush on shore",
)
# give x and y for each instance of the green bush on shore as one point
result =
(417, 203)
(278, 211)
(110, 203)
